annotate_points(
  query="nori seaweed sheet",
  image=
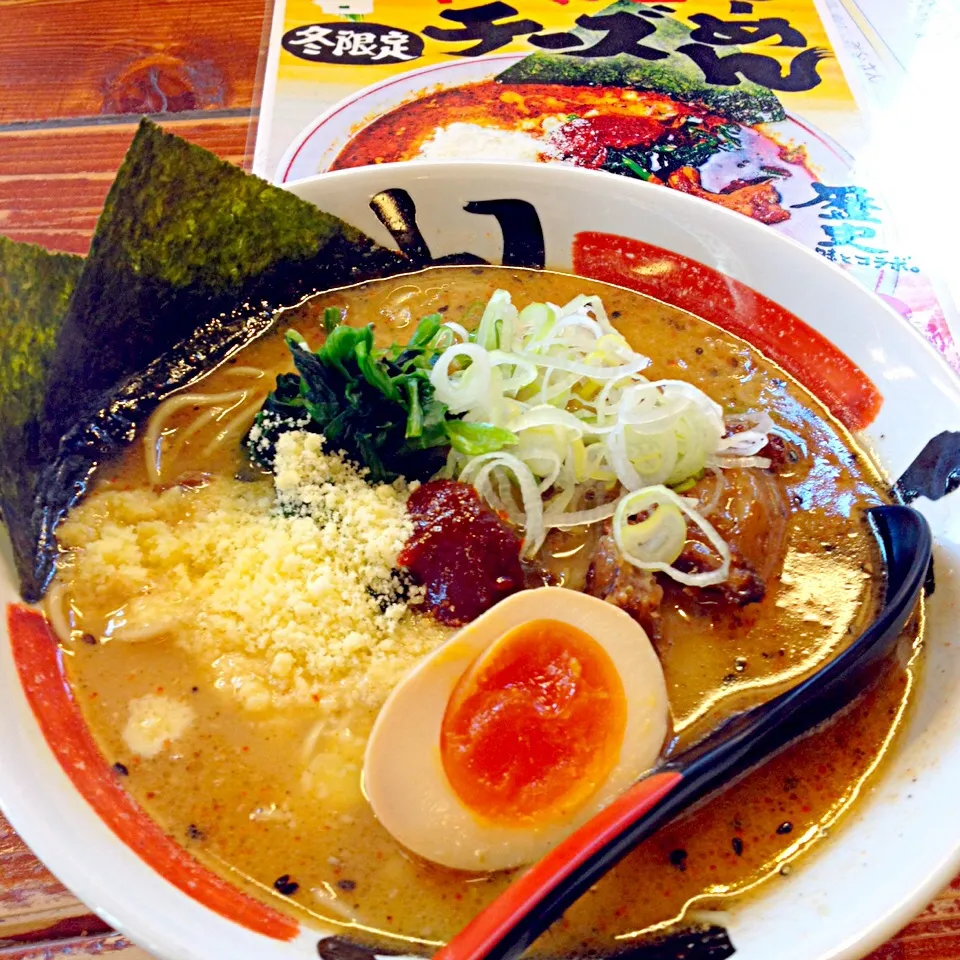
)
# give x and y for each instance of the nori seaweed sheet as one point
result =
(190, 260)
(184, 235)
(35, 289)
(676, 76)
(695, 943)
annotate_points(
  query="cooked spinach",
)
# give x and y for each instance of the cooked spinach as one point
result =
(376, 405)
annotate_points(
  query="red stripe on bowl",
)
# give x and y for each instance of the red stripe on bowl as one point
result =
(804, 353)
(38, 659)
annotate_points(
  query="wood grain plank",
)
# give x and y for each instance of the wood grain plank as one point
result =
(934, 935)
(86, 58)
(77, 948)
(31, 897)
(53, 182)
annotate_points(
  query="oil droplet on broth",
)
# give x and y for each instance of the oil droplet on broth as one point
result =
(408, 303)
(403, 898)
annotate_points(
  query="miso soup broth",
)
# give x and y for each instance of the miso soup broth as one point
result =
(223, 662)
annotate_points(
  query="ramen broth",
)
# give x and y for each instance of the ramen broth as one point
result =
(276, 793)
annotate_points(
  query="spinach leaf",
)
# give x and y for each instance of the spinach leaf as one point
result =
(691, 146)
(377, 406)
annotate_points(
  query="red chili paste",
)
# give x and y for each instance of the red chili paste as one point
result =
(461, 551)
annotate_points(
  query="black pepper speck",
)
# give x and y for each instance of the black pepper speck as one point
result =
(785, 828)
(737, 845)
(121, 768)
(285, 885)
(678, 858)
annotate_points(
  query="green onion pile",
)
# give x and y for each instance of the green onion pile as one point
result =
(532, 408)
(568, 390)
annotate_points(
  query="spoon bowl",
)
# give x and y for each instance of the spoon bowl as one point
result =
(515, 919)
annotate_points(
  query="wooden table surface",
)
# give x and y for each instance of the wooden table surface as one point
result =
(75, 75)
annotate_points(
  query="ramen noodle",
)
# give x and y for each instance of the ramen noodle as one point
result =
(240, 595)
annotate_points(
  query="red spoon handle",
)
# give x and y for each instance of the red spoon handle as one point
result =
(485, 931)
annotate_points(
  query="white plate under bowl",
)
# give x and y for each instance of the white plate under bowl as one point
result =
(900, 846)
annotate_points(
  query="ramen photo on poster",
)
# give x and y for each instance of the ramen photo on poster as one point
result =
(744, 105)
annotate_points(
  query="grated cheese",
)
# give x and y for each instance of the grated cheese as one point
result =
(154, 722)
(286, 590)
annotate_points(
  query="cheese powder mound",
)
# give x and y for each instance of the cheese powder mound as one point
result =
(154, 722)
(287, 591)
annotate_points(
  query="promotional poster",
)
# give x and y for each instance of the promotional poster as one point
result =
(759, 106)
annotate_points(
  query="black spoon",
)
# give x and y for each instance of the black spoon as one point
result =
(516, 918)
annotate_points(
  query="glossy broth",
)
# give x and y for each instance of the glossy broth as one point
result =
(261, 796)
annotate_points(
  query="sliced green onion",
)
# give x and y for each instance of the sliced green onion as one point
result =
(539, 319)
(687, 484)
(481, 472)
(464, 389)
(474, 439)
(497, 320)
(569, 391)
(426, 330)
(657, 540)
(636, 169)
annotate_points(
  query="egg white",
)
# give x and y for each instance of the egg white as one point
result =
(403, 773)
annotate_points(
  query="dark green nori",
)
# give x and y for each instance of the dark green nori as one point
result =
(698, 943)
(191, 259)
(184, 235)
(35, 289)
(676, 76)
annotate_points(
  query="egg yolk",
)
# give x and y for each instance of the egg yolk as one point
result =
(532, 730)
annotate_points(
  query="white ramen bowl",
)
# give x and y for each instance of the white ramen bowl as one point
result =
(900, 845)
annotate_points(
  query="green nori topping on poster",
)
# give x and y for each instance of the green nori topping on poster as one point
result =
(676, 76)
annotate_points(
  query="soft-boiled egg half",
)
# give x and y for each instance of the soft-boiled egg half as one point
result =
(516, 731)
